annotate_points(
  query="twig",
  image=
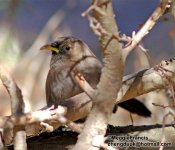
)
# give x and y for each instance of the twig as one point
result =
(70, 124)
(40, 116)
(48, 127)
(136, 37)
(126, 39)
(94, 7)
(163, 106)
(64, 121)
(81, 81)
(132, 121)
(96, 26)
(148, 25)
(164, 120)
(27, 118)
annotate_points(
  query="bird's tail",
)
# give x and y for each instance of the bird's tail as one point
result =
(134, 106)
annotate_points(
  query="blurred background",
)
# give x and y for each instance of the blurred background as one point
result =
(26, 25)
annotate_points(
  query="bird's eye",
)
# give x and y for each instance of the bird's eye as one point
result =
(67, 48)
(64, 49)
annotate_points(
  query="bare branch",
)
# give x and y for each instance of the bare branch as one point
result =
(70, 124)
(48, 127)
(94, 7)
(158, 77)
(81, 81)
(107, 31)
(79, 106)
(17, 108)
(14, 92)
(163, 106)
(28, 118)
(148, 25)
(17, 118)
(20, 138)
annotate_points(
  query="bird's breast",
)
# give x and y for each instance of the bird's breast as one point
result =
(60, 85)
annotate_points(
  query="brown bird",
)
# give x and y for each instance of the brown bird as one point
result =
(71, 53)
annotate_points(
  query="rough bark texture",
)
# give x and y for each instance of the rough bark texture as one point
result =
(110, 81)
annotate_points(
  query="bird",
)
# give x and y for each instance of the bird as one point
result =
(68, 53)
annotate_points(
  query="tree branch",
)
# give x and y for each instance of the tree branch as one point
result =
(17, 108)
(148, 25)
(80, 105)
(158, 77)
(110, 80)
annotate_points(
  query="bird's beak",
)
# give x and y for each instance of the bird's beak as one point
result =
(50, 47)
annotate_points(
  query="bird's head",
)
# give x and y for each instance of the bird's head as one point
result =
(67, 48)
